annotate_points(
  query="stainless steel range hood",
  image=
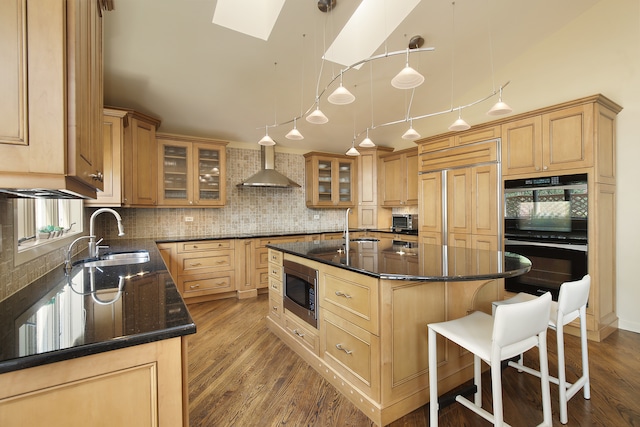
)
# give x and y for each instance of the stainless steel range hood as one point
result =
(268, 176)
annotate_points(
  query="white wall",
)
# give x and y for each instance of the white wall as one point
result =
(597, 53)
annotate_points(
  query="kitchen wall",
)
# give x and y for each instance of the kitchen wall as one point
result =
(12, 278)
(248, 211)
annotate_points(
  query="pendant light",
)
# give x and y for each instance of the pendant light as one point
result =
(407, 78)
(500, 107)
(317, 117)
(352, 151)
(367, 143)
(341, 96)
(266, 139)
(411, 133)
(294, 133)
(459, 124)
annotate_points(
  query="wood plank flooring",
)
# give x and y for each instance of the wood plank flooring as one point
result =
(240, 374)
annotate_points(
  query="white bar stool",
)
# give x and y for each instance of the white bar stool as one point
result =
(514, 329)
(571, 305)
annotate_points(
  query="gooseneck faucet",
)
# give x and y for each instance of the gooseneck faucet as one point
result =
(93, 245)
(346, 233)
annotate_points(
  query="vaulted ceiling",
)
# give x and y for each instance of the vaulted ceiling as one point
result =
(166, 58)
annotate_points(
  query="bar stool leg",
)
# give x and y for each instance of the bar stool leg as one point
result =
(586, 389)
(496, 390)
(562, 375)
(433, 379)
(544, 380)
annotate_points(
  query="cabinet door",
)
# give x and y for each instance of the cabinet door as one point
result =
(324, 182)
(141, 166)
(84, 115)
(209, 169)
(431, 203)
(485, 200)
(411, 187)
(522, 146)
(459, 201)
(567, 138)
(112, 142)
(392, 191)
(174, 167)
(344, 194)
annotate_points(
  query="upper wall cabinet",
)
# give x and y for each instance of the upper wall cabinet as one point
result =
(191, 171)
(130, 159)
(51, 103)
(559, 140)
(399, 178)
(330, 180)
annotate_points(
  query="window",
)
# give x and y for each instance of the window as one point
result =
(43, 225)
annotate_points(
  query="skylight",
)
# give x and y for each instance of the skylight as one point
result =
(367, 29)
(251, 17)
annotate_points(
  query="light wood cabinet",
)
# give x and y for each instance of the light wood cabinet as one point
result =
(205, 269)
(399, 178)
(51, 104)
(370, 213)
(466, 178)
(330, 180)
(129, 173)
(140, 385)
(371, 334)
(260, 275)
(553, 141)
(191, 171)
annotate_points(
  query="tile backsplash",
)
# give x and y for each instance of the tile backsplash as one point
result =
(248, 210)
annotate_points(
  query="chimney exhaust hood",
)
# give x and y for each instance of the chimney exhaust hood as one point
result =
(268, 176)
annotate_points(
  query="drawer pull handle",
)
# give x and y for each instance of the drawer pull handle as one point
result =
(195, 286)
(195, 264)
(300, 334)
(221, 262)
(195, 246)
(342, 294)
(340, 347)
(275, 308)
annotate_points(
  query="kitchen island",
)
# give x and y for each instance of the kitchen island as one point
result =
(95, 344)
(374, 302)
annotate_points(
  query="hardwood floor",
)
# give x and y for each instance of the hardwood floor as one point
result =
(240, 374)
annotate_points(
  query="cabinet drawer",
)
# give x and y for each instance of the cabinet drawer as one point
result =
(263, 278)
(304, 333)
(275, 308)
(275, 271)
(275, 285)
(351, 351)
(204, 284)
(204, 245)
(275, 257)
(352, 296)
(217, 260)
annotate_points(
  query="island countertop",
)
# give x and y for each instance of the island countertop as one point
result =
(393, 260)
(91, 310)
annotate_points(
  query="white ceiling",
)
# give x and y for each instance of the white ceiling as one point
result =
(166, 58)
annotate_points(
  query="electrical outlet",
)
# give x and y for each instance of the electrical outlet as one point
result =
(188, 219)
(316, 216)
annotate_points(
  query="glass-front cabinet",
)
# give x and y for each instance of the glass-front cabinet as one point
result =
(191, 171)
(330, 180)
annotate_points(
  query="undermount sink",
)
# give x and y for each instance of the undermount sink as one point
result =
(116, 258)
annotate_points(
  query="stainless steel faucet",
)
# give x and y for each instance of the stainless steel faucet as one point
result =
(346, 233)
(93, 245)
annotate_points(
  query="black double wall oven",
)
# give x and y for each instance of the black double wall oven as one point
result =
(546, 221)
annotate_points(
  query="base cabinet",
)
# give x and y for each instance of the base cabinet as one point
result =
(372, 335)
(140, 385)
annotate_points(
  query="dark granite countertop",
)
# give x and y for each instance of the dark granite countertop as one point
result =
(92, 310)
(275, 234)
(389, 259)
